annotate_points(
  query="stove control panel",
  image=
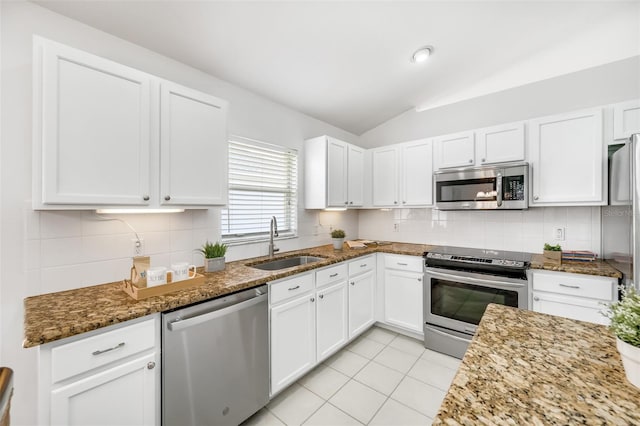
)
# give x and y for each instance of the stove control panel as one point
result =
(476, 260)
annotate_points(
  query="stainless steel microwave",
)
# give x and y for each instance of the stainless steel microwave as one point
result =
(502, 186)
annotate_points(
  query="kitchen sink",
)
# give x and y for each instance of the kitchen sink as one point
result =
(287, 262)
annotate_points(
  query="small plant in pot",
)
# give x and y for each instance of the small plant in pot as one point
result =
(625, 324)
(338, 238)
(552, 254)
(213, 256)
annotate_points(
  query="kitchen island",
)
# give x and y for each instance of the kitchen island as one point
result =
(529, 368)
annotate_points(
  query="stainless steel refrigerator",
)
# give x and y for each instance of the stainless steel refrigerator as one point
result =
(621, 218)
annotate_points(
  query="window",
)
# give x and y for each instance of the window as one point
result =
(262, 183)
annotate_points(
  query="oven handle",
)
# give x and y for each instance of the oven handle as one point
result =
(450, 336)
(473, 279)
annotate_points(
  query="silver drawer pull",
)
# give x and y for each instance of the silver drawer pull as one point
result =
(363, 265)
(403, 264)
(118, 346)
(333, 275)
(569, 286)
(294, 288)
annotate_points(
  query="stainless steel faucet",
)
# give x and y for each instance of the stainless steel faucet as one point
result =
(273, 232)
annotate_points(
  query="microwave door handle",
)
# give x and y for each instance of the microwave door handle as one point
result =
(499, 189)
(472, 279)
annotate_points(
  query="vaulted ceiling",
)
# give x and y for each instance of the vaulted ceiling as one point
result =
(347, 62)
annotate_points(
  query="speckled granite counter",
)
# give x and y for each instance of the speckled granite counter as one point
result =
(526, 368)
(597, 267)
(54, 316)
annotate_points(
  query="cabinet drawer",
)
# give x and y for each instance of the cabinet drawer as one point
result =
(362, 264)
(576, 308)
(601, 288)
(403, 263)
(92, 352)
(332, 274)
(284, 290)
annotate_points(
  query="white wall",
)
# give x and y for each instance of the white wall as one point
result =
(52, 251)
(514, 230)
(605, 84)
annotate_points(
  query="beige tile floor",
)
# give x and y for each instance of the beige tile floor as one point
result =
(382, 378)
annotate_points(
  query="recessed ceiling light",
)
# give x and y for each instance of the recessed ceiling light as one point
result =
(422, 54)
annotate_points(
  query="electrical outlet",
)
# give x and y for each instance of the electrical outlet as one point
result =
(137, 246)
(558, 233)
(396, 227)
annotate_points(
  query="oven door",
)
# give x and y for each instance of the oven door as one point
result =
(456, 300)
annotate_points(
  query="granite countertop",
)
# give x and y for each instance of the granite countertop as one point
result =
(524, 367)
(53, 316)
(597, 267)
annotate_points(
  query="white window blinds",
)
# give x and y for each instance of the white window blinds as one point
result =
(262, 183)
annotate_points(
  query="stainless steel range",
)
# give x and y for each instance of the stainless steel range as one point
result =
(459, 283)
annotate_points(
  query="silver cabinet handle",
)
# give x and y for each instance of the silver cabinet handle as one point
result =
(353, 283)
(350, 202)
(535, 197)
(536, 298)
(395, 202)
(167, 197)
(403, 264)
(145, 198)
(313, 299)
(364, 265)
(482, 160)
(470, 161)
(321, 296)
(294, 288)
(346, 202)
(419, 279)
(151, 365)
(404, 202)
(333, 275)
(569, 286)
(118, 346)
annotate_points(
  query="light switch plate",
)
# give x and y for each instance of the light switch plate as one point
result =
(558, 233)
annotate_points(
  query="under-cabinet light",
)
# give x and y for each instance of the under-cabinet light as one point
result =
(137, 211)
(335, 209)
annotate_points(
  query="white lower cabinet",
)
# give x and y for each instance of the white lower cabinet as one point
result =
(361, 302)
(106, 377)
(293, 340)
(331, 319)
(403, 292)
(575, 296)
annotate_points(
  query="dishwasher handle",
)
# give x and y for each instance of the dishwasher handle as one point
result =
(181, 324)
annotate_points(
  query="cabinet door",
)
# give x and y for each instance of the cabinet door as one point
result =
(193, 147)
(331, 319)
(568, 159)
(385, 177)
(500, 144)
(361, 303)
(336, 173)
(626, 119)
(570, 307)
(123, 395)
(355, 176)
(403, 299)
(457, 150)
(91, 129)
(293, 337)
(417, 173)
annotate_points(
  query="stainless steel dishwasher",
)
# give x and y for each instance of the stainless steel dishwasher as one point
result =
(215, 360)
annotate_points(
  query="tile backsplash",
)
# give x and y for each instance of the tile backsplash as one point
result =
(72, 249)
(515, 230)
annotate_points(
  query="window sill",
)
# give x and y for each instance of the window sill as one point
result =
(243, 241)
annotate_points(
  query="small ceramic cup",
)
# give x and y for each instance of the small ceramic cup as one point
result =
(183, 271)
(156, 276)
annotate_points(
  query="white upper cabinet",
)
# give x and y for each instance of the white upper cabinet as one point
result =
(499, 144)
(568, 159)
(193, 141)
(416, 173)
(385, 176)
(456, 150)
(626, 119)
(403, 174)
(96, 138)
(334, 173)
(91, 129)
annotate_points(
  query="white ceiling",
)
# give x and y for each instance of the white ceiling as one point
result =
(347, 63)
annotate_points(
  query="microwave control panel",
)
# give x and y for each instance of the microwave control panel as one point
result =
(513, 188)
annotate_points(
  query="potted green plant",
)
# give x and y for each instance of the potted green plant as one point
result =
(625, 324)
(338, 238)
(213, 256)
(552, 254)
